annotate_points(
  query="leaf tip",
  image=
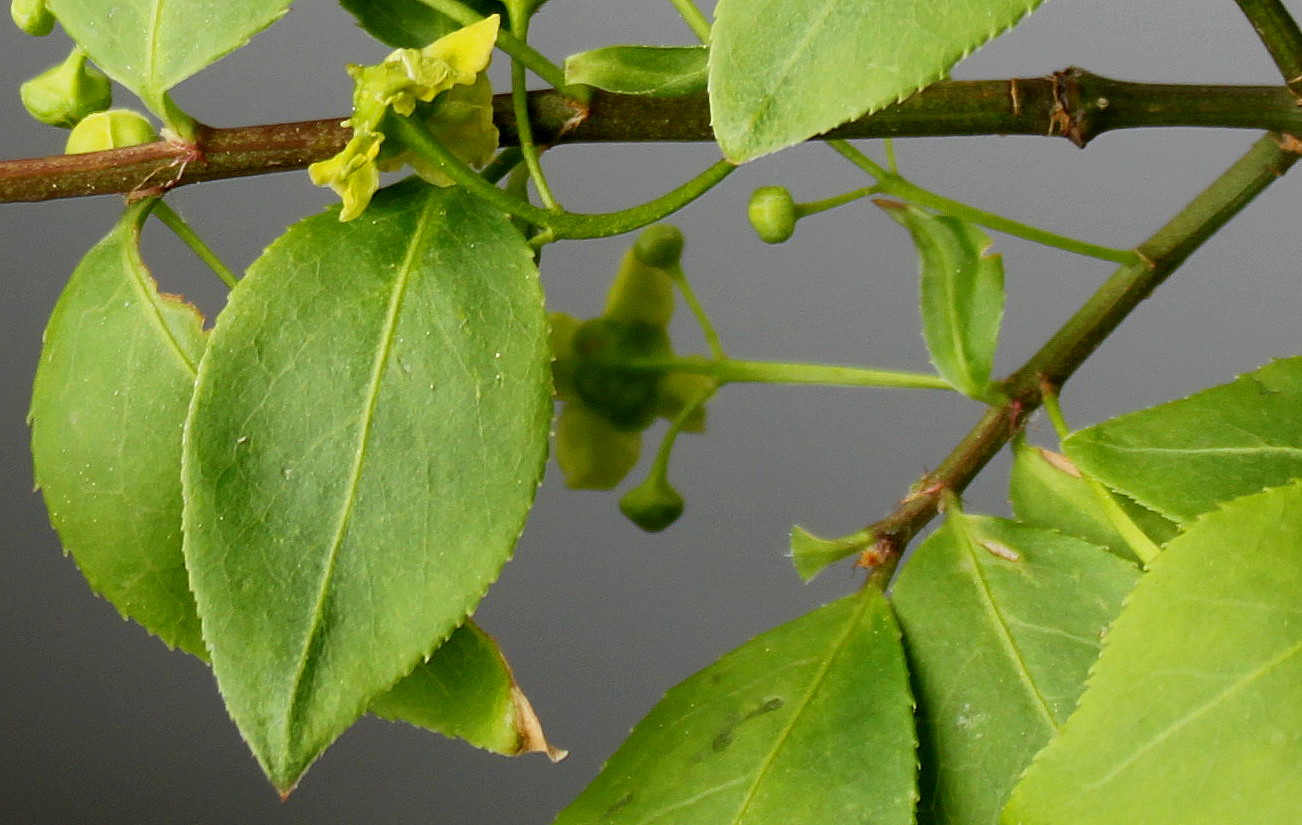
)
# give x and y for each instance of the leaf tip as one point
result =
(811, 553)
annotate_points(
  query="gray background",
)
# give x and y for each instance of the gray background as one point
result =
(99, 723)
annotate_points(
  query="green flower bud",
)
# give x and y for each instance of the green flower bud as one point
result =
(32, 16)
(652, 505)
(773, 213)
(113, 129)
(628, 399)
(659, 246)
(64, 94)
(640, 293)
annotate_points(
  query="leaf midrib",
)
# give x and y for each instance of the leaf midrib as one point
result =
(767, 763)
(378, 368)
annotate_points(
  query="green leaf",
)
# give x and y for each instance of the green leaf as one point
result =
(782, 71)
(149, 46)
(411, 24)
(811, 553)
(1001, 622)
(114, 381)
(1047, 490)
(808, 723)
(962, 296)
(1184, 457)
(369, 427)
(660, 71)
(1192, 711)
(467, 690)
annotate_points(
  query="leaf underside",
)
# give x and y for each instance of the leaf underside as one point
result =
(149, 46)
(367, 432)
(114, 382)
(808, 723)
(782, 71)
(1192, 711)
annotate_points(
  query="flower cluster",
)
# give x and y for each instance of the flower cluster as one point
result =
(605, 370)
(443, 83)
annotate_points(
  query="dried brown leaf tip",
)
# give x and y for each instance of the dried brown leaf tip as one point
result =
(530, 729)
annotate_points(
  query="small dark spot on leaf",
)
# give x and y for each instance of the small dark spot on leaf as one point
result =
(723, 740)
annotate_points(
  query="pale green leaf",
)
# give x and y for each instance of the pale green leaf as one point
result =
(467, 690)
(962, 296)
(149, 46)
(782, 71)
(1183, 457)
(114, 381)
(808, 723)
(367, 433)
(1001, 623)
(1192, 713)
(660, 71)
(411, 24)
(1047, 490)
(811, 553)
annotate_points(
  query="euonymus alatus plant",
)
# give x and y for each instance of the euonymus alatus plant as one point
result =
(313, 493)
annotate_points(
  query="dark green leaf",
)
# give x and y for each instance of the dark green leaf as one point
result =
(1047, 490)
(962, 296)
(808, 723)
(410, 23)
(367, 433)
(1001, 622)
(782, 71)
(467, 690)
(115, 379)
(1192, 711)
(149, 46)
(660, 71)
(1184, 457)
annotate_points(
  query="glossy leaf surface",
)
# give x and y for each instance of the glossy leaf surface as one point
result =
(661, 71)
(782, 71)
(1047, 490)
(149, 46)
(115, 379)
(810, 722)
(1192, 712)
(411, 24)
(467, 690)
(367, 433)
(1183, 457)
(1001, 623)
(962, 295)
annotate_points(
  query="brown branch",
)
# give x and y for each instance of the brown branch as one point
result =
(1074, 104)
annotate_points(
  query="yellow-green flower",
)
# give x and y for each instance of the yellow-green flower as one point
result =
(443, 83)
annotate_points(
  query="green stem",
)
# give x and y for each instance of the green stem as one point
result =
(892, 184)
(732, 371)
(702, 317)
(1279, 32)
(558, 225)
(1060, 357)
(660, 464)
(693, 18)
(502, 164)
(1136, 539)
(520, 105)
(508, 42)
(814, 207)
(191, 239)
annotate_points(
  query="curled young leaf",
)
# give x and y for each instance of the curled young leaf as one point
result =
(656, 71)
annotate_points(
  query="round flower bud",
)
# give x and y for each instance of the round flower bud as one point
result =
(659, 246)
(109, 130)
(32, 16)
(64, 94)
(652, 505)
(773, 213)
